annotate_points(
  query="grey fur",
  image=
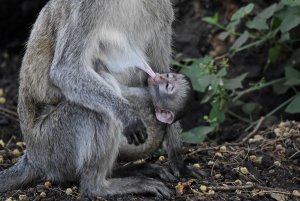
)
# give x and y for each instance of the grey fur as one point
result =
(71, 43)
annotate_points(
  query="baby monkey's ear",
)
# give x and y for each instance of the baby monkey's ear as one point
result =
(164, 116)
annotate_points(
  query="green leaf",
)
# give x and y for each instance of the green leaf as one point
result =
(294, 106)
(217, 114)
(273, 53)
(197, 135)
(203, 82)
(249, 108)
(258, 23)
(223, 35)
(242, 12)
(276, 22)
(235, 83)
(222, 72)
(295, 58)
(196, 72)
(290, 19)
(268, 12)
(292, 76)
(280, 88)
(291, 2)
(211, 20)
(231, 27)
(284, 37)
(240, 41)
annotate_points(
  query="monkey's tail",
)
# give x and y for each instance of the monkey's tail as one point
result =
(20, 174)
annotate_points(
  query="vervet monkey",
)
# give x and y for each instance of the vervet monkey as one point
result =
(169, 92)
(71, 42)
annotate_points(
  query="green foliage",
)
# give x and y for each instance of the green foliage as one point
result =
(272, 27)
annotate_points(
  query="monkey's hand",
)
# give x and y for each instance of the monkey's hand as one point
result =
(134, 130)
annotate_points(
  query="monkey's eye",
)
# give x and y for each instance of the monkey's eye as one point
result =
(169, 87)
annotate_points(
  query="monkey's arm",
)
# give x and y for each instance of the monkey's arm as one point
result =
(173, 146)
(72, 70)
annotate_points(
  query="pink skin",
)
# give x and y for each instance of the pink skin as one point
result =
(148, 70)
(156, 79)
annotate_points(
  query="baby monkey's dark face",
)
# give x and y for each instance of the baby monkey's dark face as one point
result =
(169, 94)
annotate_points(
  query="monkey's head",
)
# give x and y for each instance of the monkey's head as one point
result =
(170, 93)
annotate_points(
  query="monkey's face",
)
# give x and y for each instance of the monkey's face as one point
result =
(168, 92)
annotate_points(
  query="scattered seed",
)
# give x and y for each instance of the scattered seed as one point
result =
(217, 176)
(69, 191)
(203, 188)
(2, 100)
(253, 158)
(223, 149)
(249, 183)
(218, 154)
(244, 170)
(238, 192)
(162, 158)
(2, 143)
(296, 193)
(1, 159)
(20, 144)
(139, 161)
(210, 163)
(281, 125)
(43, 194)
(211, 192)
(16, 152)
(278, 132)
(197, 165)
(47, 184)
(277, 163)
(261, 193)
(238, 182)
(1, 92)
(23, 198)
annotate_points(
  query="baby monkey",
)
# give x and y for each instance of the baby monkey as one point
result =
(160, 106)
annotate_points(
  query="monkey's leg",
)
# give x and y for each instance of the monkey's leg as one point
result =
(145, 169)
(96, 161)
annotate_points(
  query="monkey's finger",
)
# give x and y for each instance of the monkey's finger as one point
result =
(145, 134)
(140, 137)
(136, 139)
(129, 139)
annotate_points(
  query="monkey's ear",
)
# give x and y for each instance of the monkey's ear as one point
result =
(165, 116)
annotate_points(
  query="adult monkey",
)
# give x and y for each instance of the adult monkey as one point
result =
(70, 43)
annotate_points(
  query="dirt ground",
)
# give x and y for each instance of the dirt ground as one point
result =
(262, 165)
(265, 165)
